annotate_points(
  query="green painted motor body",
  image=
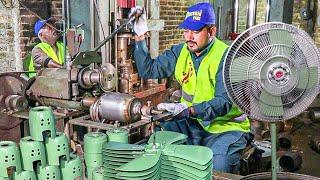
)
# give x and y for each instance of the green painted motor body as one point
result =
(71, 169)
(56, 148)
(9, 158)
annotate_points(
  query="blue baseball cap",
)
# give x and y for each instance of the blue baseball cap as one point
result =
(198, 16)
(39, 25)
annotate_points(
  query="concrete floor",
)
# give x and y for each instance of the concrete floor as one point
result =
(303, 131)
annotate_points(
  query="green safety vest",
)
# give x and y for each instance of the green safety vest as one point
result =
(46, 48)
(200, 87)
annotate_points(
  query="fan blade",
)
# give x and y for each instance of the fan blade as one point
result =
(280, 36)
(270, 105)
(239, 71)
(308, 77)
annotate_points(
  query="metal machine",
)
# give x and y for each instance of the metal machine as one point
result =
(99, 87)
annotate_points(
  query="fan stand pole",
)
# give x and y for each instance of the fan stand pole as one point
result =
(274, 164)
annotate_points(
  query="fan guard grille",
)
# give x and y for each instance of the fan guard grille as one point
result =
(271, 71)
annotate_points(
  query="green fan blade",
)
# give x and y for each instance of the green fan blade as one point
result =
(239, 71)
(270, 105)
(187, 170)
(183, 161)
(197, 154)
(280, 36)
(166, 137)
(142, 163)
(308, 77)
(141, 174)
(117, 146)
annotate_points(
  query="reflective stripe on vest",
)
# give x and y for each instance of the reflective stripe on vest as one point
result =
(200, 87)
(46, 48)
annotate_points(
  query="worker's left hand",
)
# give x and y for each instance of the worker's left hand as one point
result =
(140, 23)
(178, 110)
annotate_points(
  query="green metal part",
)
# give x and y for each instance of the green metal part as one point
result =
(71, 169)
(90, 172)
(274, 164)
(48, 172)
(4, 178)
(32, 151)
(122, 148)
(93, 160)
(167, 137)
(196, 154)
(118, 135)
(94, 141)
(25, 175)
(98, 173)
(57, 147)
(42, 123)
(9, 158)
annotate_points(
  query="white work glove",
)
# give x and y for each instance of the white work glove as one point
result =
(174, 108)
(140, 23)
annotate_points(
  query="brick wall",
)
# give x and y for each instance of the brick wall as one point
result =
(173, 13)
(45, 9)
(7, 51)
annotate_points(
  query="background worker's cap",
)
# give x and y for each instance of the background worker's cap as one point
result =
(198, 16)
(39, 25)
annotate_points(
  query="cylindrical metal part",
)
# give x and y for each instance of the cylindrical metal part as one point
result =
(235, 15)
(117, 107)
(122, 45)
(16, 103)
(268, 11)
(290, 161)
(118, 135)
(75, 89)
(88, 78)
(284, 141)
(88, 101)
(219, 21)
(315, 114)
(60, 103)
(251, 15)
(315, 144)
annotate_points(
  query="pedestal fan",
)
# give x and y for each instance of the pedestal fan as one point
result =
(271, 72)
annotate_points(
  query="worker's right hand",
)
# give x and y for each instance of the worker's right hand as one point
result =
(140, 23)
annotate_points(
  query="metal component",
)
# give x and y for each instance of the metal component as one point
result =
(113, 34)
(94, 141)
(315, 114)
(315, 144)
(71, 169)
(61, 103)
(75, 89)
(48, 172)
(117, 107)
(274, 165)
(59, 83)
(11, 84)
(284, 141)
(16, 103)
(87, 78)
(108, 77)
(42, 123)
(251, 15)
(9, 157)
(235, 16)
(31, 152)
(25, 175)
(57, 147)
(88, 101)
(290, 161)
(118, 135)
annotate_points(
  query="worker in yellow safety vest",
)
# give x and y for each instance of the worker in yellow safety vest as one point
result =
(50, 52)
(205, 114)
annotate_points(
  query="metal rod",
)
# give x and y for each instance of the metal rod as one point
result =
(274, 165)
(108, 38)
(235, 16)
(251, 15)
(267, 19)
